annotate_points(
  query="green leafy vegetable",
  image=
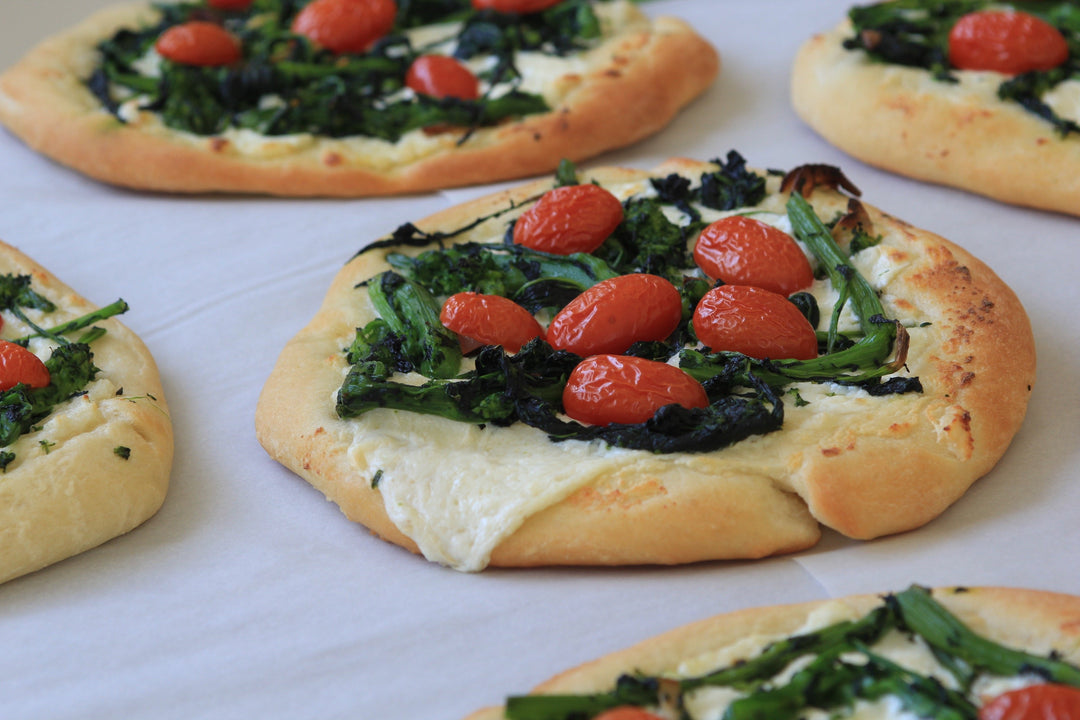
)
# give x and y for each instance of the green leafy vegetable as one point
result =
(830, 681)
(916, 33)
(284, 84)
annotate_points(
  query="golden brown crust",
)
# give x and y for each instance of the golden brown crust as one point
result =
(636, 84)
(57, 500)
(901, 119)
(1031, 620)
(862, 465)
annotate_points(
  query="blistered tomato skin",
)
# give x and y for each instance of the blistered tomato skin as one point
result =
(489, 320)
(744, 251)
(1006, 41)
(442, 76)
(19, 365)
(612, 315)
(576, 218)
(1035, 702)
(345, 26)
(605, 389)
(754, 322)
(199, 43)
(515, 6)
(230, 4)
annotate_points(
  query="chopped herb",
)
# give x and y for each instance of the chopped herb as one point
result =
(376, 478)
(6, 459)
(46, 446)
(122, 452)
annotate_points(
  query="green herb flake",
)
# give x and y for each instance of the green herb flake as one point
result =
(122, 452)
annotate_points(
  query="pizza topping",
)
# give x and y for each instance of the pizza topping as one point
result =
(606, 389)
(515, 6)
(329, 88)
(441, 76)
(832, 668)
(1008, 42)
(199, 43)
(572, 219)
(489, 320)
(1034, 702)
(20, 366)
(345, 26)
(614, 314)
(635, 295)
(754, 322)
(1038, 43)
(741, 250)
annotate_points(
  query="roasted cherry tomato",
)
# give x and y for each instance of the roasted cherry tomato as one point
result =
(230, 4)
(198, 43)
(743, 251)
(515, 6)
(612, 315)
(1035, 702)
(489, 320)
(605, 389)
(19, 365)
(442, 76)
(576, 218)
(1007, 42)
(345, 26)
(754, 322)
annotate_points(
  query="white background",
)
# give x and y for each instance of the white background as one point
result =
(248, 595)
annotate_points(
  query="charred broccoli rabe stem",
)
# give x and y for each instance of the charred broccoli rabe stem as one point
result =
(830, 681)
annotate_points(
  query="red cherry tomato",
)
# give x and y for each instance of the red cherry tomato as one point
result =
(743, 251)
(515, 6)
(754, 322)
(627, 712)
(198, 43)
(576, 218)
(489, 320)
(1007, 42)
(1035, 702)
(442, 76)
(345, 26)
(230, 4)
(605, 389)
(612, 315)
(19, 365)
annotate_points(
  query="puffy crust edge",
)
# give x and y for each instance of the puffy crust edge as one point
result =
(1030, 619)
(904, 121)
(718, 505)
(80, 494)
(652, 75)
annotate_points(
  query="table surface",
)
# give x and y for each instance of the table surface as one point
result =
(249, 595)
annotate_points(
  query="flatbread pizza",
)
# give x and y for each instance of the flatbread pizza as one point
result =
(978, 95)
(85, 438)
(594, 373)
(986, 653)
(349, 97)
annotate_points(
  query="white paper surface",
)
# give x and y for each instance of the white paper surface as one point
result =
(249, 595)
